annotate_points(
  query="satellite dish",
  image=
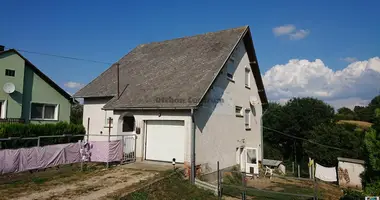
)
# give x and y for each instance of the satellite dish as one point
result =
(253, 100)
(9, 88)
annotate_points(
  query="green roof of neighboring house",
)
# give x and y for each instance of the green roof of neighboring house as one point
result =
(43, 76)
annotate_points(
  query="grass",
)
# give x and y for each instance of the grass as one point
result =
(361, 124)
(172, 187)
(11, 184)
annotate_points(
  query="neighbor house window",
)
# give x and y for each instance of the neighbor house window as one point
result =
(247, 118)
(2, 110)
(128, 123)
(230, 68)
(247, 78)
(10, 72)
(44, 111)
(108, 119)
(238, 111)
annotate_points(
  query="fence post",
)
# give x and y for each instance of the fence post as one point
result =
(299, 171)
(243, 194)
(88, 129)
(315, 189)
(293, 168)
(122, 146)
(219, 192)
(38, 141)
(109, 137)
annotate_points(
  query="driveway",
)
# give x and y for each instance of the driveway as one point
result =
(98, 184)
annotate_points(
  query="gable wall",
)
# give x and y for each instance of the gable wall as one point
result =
(219, 131)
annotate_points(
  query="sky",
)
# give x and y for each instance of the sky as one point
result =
(325, 49)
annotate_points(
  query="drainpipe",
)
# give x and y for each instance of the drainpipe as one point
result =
(192, 175)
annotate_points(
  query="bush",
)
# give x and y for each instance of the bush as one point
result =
(352, 195)
(34, 130)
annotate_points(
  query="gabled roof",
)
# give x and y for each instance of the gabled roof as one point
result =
(179, 69)
(42, 75)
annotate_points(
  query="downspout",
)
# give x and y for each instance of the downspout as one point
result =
(192, 172)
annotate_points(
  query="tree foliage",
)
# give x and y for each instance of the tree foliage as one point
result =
(342, 136)
(76, 116)
(345, 113)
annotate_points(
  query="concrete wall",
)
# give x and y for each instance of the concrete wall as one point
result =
(219, 131)
(14, 101)
(351, 171)
(143, 115)
(92, 108)
(30, 87)
(37, 90)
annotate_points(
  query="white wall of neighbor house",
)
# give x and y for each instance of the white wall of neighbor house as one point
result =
(219, 131)
(92, 108)
(143, 115)
(354, 171)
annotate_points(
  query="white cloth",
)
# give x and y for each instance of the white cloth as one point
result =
(325, 173)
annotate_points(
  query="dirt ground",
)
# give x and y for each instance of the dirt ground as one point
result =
(98, 184)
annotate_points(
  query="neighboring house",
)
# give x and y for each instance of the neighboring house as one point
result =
(206, 87)
(36, 98)
(349, 172)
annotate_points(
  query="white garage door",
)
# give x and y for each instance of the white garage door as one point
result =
(165, 140)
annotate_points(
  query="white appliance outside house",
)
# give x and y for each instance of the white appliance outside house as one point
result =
(165, 140)
(249, 161)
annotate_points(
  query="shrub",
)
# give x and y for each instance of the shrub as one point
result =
(34, 130)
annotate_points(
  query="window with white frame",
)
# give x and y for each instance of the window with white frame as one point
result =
(230, 68)
(247, 80)
(238, 111)
(2, 109)
(42, 111)
(247, 118)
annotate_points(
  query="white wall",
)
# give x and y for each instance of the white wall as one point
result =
(141, 115)
(92, 108)
(354, 170)
(219, 132)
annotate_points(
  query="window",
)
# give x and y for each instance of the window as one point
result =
(247, 118)
(128, 124)
(251, 156)
(230, 69)
(43, 111)
(247, 78)
(1, 110)
(238, 111)
(10, 72)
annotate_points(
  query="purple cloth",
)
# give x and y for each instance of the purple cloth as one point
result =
(24, 159)
(104, 151)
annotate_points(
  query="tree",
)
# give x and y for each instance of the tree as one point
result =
(76, 116)
(371, 176)
(302, 114)
(342, 136)
(345, 113)
(363, 113)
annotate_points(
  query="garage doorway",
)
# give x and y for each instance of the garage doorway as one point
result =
(165, 140)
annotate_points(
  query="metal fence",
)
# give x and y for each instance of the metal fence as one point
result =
(235, 183)
(128, 142)
(12, 121)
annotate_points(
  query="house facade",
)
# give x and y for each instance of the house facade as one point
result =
(198, 97)
(33, 96)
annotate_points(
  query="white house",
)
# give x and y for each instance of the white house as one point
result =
(197, 97)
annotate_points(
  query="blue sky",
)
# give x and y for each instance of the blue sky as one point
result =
(99, 30)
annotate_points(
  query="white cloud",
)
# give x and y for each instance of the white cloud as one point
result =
(284, 30)
(354, 85)
(291, 32)
(299, 34)
(74, 85)
(349, 59)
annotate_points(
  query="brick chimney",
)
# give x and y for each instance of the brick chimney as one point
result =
(2, 48)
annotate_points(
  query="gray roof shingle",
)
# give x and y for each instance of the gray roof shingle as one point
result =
(179, 69)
